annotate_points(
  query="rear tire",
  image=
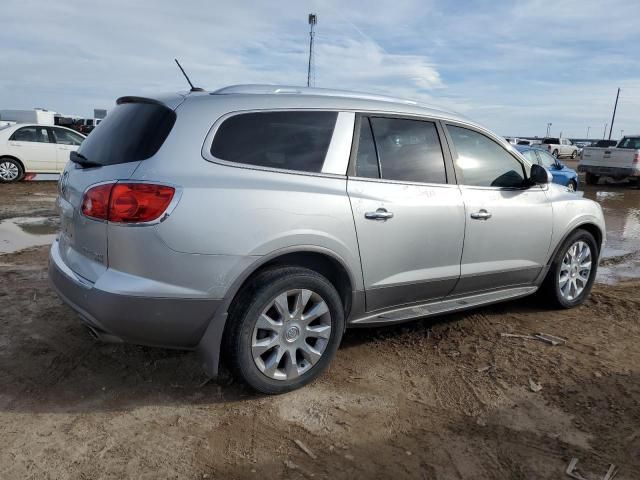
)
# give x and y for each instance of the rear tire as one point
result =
(10, 170)
(572, 271)
(591, 178)
(555, 154)
(270, 342)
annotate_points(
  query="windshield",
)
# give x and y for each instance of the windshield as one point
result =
(630, 142)
(546, 160)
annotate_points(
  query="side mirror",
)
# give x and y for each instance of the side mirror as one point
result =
(540, 175)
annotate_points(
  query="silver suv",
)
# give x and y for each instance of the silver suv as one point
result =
(256, 223)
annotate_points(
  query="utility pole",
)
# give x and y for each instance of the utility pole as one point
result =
(614, 113)
(313, 19)
(588, 128)
(548, 128)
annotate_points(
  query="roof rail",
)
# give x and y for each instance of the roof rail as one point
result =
(265, 89)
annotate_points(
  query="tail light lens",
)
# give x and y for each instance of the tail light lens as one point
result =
(636, 158)
(127, 202)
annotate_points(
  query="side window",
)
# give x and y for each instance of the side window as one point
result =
(31, 134)
(66, 137)
(483, 162)
(367, 158)
(287, 140)
(409, 150)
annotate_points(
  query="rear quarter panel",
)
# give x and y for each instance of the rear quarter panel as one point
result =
(242, 212)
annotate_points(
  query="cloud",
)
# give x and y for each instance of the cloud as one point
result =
(512, 65)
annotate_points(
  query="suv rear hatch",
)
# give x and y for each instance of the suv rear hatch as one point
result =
(132, 132)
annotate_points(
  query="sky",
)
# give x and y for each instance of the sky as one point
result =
(512, 66)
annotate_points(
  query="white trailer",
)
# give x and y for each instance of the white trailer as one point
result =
(38, 116)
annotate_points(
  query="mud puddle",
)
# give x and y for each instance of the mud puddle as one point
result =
(621, 207)
(19, 233)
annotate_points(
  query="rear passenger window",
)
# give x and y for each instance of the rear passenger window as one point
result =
(483, 162)
(31, 134)
(287, 140)
(408, 150)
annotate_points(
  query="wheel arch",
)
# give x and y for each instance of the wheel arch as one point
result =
(590, 227)
(318, 259)
(12, 157)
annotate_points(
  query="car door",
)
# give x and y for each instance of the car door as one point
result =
(66, 142)
(508, 224)
(407, 210)
(33, 146)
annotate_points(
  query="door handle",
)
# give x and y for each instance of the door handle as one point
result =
(379, 214)
(481, 215)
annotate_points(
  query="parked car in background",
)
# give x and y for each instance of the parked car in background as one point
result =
(562, 175)
(560, 147)
(620, 162)
(32, 148)
(294, 213)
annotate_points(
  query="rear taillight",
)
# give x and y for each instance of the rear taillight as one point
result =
(636, 158)
(127, 202)
(95, 203)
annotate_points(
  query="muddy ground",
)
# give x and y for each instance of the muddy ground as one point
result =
(447, 398)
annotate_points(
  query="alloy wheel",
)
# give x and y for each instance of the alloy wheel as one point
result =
(571, 187)
(291, 334)
(575, 270)
(9, 171)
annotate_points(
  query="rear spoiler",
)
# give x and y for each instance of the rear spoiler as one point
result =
(131, 99)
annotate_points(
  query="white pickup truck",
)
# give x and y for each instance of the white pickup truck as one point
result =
(560, 147)
(619, 162)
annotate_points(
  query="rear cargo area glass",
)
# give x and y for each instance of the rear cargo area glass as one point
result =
(131, 132)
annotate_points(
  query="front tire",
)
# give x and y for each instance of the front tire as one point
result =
(284, 329)
(574, 154)
(573, 271)
(572, 186)
(10, 170)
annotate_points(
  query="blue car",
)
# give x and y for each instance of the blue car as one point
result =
(562, 174)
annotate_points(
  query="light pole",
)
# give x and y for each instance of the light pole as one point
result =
(548, 128)
(588, 128)
(605, 131)
(313, 19)
(621, 133)
(613, 118)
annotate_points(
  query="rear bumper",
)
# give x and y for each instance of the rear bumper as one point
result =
(610, 171)
(164, 322)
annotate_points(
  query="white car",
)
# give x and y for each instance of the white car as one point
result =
(31, 148)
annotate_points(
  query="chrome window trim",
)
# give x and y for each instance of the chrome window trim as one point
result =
(205, 151)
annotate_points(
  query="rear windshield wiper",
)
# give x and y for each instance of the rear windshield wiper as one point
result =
(83, 161)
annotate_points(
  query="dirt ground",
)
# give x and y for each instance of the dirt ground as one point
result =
(447, 398)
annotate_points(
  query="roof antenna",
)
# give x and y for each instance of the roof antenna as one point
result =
(193, 89)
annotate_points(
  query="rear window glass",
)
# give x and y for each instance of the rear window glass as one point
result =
(551, 141)
(287, 140)
(131, 132)
(630, 142)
